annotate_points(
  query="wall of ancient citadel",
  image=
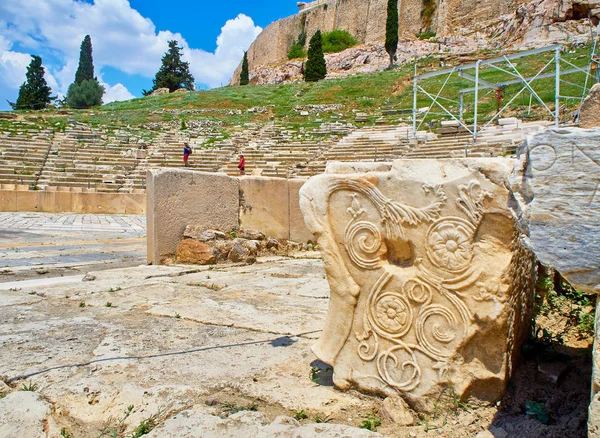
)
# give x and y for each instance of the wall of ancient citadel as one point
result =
(365, 20)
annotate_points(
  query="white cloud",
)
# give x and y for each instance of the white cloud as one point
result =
(116, 92)
(13, 65)
(216, 68)
(122, 39)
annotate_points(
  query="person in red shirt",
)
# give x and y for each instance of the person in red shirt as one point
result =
(242, 165)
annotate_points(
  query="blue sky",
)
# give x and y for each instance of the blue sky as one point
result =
(129, 39)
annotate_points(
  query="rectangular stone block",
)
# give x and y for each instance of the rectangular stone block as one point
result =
(299, 232)
(264, 206)
(177, 198)
(135, 203)
(431, 286)
(8, 200)
(28, 201)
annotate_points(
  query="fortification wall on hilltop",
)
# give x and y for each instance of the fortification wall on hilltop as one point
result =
(365, 20)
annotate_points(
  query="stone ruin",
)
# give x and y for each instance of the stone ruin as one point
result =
(431, 264)
(428, 277)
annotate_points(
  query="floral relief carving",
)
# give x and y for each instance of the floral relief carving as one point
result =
(426, 280)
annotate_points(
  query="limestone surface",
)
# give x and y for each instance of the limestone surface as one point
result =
(26, 414)
(430, 285)
(251, 424)
(556, 184)
(589, 114)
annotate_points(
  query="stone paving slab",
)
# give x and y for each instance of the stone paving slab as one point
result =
(47, 244)
(126, 224)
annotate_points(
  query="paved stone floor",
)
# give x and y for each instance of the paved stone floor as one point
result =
(34, 245)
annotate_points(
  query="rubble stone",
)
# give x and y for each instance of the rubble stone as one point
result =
(193, 251)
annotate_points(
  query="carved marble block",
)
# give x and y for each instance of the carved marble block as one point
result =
(431, 288)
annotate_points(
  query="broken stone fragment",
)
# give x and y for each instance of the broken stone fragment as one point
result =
(251, 234)
(430, 284)
(272, 243)
(556, 185)
(223, 247)
(396, 410)
(237, 253)
(195, 252)
(199, 233)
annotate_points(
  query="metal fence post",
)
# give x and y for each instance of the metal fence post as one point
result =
(557, 89)
(415, 103)
(476, 99)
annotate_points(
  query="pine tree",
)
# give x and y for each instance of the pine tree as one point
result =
(173, 73)
(35, 92)
(315, 68)
(86, 91)
(85, 71)
(244, 75)
(391, 30)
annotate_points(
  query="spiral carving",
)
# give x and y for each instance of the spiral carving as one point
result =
(434, 335)
(403, 375)
(418, 291)
(363, 242)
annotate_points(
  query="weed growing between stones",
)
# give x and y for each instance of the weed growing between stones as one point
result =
(230, 408)
(372, 422)
(562, 314)
(300, 415)
(29, 387)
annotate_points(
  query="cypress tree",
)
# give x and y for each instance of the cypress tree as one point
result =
(86, 91)
(173, 73)
(391, 30)
(244, 75)
(315, 68)
(35, 92)
(85, 71)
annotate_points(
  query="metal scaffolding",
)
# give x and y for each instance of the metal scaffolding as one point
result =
(498, 74)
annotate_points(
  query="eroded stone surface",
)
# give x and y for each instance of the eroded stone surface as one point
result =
(250, 424)
(26, 414)
(557, 187)
(430, 285)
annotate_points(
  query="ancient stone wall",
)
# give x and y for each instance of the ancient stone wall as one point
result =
(365, 20)
(71, 201)
(179, 198)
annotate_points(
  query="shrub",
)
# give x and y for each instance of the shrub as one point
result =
(426, 35)
(296, 51)
(337, 40)
(87, 94)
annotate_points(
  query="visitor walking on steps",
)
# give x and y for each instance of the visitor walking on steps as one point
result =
(187, 151)
(242, 165)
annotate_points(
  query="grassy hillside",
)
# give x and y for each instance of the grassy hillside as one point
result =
(364, 93)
